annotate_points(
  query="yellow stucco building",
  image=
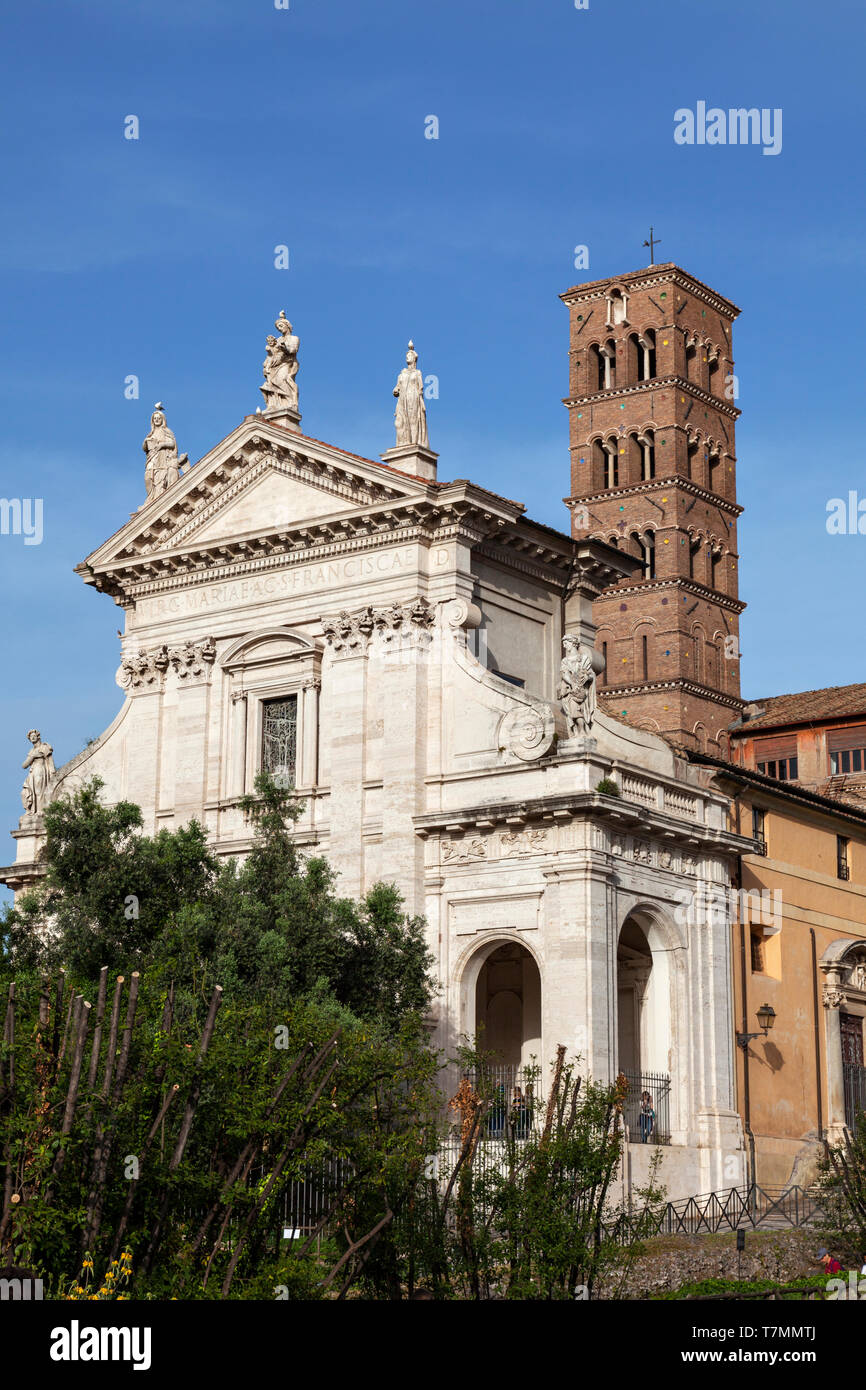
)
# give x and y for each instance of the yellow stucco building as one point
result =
(799, 946)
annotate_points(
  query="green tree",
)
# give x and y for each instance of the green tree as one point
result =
(842, 1188)
(273, 926)
(124, 1125)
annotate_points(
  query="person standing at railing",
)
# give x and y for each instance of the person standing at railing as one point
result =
(519, 1114)
(646, 1117)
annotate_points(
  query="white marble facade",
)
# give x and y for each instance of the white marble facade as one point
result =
(413, 632)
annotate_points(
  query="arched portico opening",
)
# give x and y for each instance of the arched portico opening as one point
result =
(508, 1005)
(844, 966)
(644, 1035)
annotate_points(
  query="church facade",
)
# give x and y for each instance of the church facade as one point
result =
(418, 659)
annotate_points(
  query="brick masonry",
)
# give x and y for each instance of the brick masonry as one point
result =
(653, 470)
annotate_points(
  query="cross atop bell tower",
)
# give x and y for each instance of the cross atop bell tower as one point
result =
(653, 471)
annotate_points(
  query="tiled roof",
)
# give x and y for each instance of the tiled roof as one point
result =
(805, 707)
(792, 791)
(379, 463)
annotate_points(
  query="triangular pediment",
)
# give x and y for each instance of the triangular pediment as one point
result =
(273, 492)
(260, 479)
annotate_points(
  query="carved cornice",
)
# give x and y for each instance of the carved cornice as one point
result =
(225, 482)
(398, 524)
(688, 687)
(617, 494)
(688, 586)
(618, 814)
(657, 383)
(636, 279)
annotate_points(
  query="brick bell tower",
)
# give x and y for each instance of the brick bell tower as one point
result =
(653, 471)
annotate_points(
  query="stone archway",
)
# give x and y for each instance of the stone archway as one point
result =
(844, 966)
(501, 998)
(645, 1022)
(508, 1005)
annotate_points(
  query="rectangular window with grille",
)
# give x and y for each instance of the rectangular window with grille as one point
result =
(785, 769)
(280, 739)
(842, 869)
(759, 828)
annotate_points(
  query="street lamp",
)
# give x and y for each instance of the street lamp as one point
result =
(766, 1019)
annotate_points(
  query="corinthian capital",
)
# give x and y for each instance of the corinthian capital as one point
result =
(193, 659)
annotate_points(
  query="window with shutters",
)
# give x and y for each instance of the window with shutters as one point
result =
(777, 757)
(847, 750)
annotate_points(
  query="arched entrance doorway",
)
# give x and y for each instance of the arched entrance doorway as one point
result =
(634, 965)
(508, 1005)
(644, 1027)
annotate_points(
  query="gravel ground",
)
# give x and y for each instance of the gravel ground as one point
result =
(669, 1261)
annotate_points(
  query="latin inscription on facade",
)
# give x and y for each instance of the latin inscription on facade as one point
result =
(331, 574)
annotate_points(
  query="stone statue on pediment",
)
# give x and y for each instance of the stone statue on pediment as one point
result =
(576, 689)
(160, 448)
(39, 765)
(280, 368)
(410, 417)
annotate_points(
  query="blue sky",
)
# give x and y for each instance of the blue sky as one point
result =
(305, 127)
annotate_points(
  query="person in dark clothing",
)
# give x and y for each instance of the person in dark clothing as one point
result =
(646, 1117)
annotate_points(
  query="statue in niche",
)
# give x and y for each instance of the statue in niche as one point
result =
(576, 689)
(160, 447)
(410, 417)
(280, 367)
(40, 762)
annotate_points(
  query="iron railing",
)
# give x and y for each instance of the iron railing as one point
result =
(854, 1080)
(511, 1093)
(778, 1207)
(646, 1111)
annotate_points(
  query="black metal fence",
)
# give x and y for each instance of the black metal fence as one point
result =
(514, 1105)
(777, 1207)
(646, 1111)
(854, 1078)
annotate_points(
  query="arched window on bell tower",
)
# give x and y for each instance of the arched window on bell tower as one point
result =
(713, 460)
(645, 547)
(595, 369)
(617, 307)
(611, 467)
(714, 360)
(692, 361)
(694, 547)
(607, 366)
(646, 355)
(692, 455)
(647, 442)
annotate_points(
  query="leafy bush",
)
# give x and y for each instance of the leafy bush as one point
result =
(607, 787)
(708, 1287)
